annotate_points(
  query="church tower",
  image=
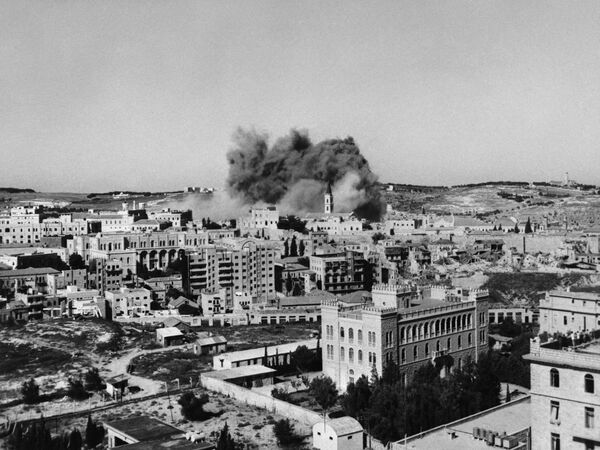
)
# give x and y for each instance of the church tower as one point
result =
(328, 200)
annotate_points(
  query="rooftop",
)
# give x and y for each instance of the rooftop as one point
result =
(144, 428)
(345, 425)
(511, 418)
(169, 332)
(239, 372)
(28, 271)
(259, 352)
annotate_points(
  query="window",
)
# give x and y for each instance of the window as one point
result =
(448, 343)
(342, 333)
(459, 342)
(554, 441)
(554, 378)
(359, 336)
(360, 359)
(470, 338)
(351, 355)
(415, 352)
(350, 335)
(426, 349)
(589, 383)
(589, 417)
(403, 355)
(564, 320)
(342, 353)
(554, 411)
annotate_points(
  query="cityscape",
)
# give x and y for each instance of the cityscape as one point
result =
(183, 266)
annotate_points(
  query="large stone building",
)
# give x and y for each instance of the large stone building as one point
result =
(566, 311)
(565, 383)
(248, 267)
(341, 273)
(406, 325)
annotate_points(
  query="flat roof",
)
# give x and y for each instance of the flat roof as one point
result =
(576, 294)
(510, 417)
(28, 271)
(593, 347)
(239, 372)
(252, 353)
(145, 428)
(169, 332)
(171, 444)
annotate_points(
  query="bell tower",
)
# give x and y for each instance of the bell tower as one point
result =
(328, 200)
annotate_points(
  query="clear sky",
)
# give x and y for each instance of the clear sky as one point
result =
(99, 95)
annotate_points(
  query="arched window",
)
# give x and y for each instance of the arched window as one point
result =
(414, 332)
(402, 330)
(426, 349)
(403, 355)
(554, 378)
(415, 352)
(426, 329)
(342, 333)
(470, 338)
(448, 343)
(342, 353)
(360, 356)
(437, 346)
(350, 335)
(589, 383)
(459, 342)
(359, 335)
(351, 355)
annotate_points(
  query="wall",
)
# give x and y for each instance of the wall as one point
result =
(261, 401)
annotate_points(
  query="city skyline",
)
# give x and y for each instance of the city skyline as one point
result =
(145, 96)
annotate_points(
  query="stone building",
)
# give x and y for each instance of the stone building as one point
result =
(341, 273)
(565, 404)
(406, 325)
(566, 311)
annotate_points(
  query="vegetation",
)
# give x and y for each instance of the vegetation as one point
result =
(94, 433)
(76, 261)
(281, 394)
(225, 441)
(93, 381)
(525, 284)
(389, 409)
(379, 236)
(192, 407)
(285, 433)
(324, 391)
(30, 391)
(305, 360)
(75, 390)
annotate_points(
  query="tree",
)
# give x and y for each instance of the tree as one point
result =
(289, 284)
(76, 390)
(192, 407)
(285, 433)
(294, 247)
(75, 440)
(225, 441)
(301, 248)
(378, 237)
(94, 434)
(517, 230)
(286, 249)
(305, 360)
(30, 392)
(528, 226)
(325, 393)
(76, 261)
(356, 399)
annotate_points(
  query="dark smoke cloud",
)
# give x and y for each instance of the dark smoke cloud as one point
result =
(294, 172)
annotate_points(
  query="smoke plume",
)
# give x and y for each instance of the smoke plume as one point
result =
(294, 173)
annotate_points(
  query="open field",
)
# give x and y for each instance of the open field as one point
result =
(248, 425)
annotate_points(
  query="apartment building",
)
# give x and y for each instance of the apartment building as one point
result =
(248, 268)
(341, 273)
(567, 311)
(565, 405)
(127, 302)
(406, 325)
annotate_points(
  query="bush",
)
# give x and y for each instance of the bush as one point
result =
(30, 392)
(280, 394)
(192, 407)
(93, 381)
(285, 433)
(76, 390)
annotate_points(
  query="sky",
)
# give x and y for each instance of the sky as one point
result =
(145, 95)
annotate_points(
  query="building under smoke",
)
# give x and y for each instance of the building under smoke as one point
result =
(294, 173)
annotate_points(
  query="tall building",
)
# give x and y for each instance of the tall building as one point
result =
(328, 200)
(565, 383)
(341, 273)
(249, 268)
(406, 325)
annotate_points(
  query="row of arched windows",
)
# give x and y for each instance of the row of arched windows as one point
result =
(435, 328)
(359, 355)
